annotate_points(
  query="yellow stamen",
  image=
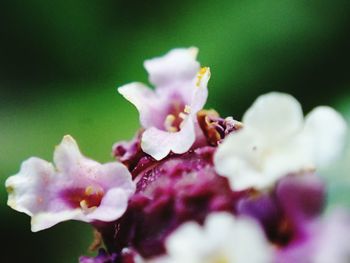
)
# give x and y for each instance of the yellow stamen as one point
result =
(182, 115)
(187, 109)
(168, 123)
(200, 75)
(89, 190)
(84, 205)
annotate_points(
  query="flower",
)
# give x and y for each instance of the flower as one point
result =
(326, 240)
(77, 188)
(287, 212)
(168, 113)
(223, 238)
(276, 141)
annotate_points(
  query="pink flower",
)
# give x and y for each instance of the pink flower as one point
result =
(168, 113)
(76, 188)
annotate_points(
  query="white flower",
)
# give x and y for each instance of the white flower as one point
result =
(168, 113)
(222, 239)
(77, 188)
(275, 141)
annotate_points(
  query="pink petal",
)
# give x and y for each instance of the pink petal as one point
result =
(112, 207)
(116, 175)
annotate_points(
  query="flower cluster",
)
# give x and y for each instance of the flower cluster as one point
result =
(193, 187)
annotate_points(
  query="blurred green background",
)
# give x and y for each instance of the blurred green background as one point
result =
(61, 61)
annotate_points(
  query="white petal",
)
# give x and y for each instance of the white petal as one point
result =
(187, 239)
(275, 115)
(240, 159)
(177, 65)
(200, 91)
(28, 190)
(45, 220)
(67, 154)
(144, 99)
(250, 244)
(217, 226)
(159, 143)
(292, 156)
(326, 130)
(222, 239)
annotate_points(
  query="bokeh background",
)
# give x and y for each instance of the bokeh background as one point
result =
(61, 61)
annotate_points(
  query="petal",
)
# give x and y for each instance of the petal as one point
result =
(177, 65)
(243, 176)
(239, 158)
(326, 132)
(223, 238)
(292, 156)
(46, 220)
(115, 174)
(218, 226)
(275, 115)
(28, 190)
(200, 92)
(326, 240)
(333, 244)
(67, 154)
(112, 207)
(302, 197)
(145, 101)
(189, 235)
(159, 143)
(250, 243)
(263, 207)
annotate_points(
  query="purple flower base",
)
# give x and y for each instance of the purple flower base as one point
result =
(178, 189)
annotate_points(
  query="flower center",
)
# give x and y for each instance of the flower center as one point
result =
(84, 198)
(177, 113)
